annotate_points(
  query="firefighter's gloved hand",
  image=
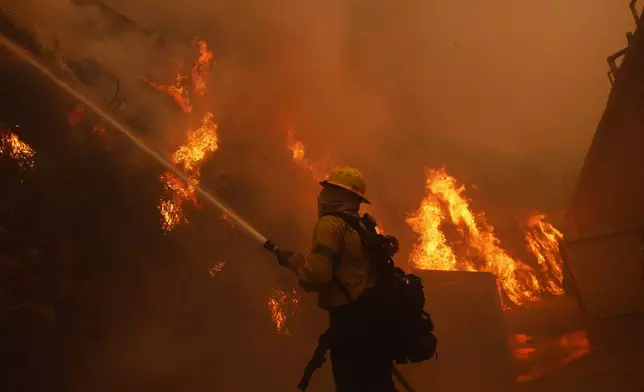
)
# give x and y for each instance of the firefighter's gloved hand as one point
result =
(283, 257)
(290, 260)
(393, 244)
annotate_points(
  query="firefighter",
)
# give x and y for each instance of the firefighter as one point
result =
(338, 270)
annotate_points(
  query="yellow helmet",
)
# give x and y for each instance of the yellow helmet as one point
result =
(348, 178)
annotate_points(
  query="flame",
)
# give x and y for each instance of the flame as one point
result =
(297, 148)
(543, 241)
(200, 142)
(176, 186)
(432, 252)
(18, 150)
(281, 303)
(171, 214)
(190, 156)
(76, 115)
(176, 90)
(318, 168)
(216, 268)
(200, 72)
(201, 68)
(446, 204)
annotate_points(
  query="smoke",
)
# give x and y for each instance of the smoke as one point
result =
(458, 83)
(478, 87)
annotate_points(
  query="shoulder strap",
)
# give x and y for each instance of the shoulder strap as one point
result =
(353, 222)
(336, 259)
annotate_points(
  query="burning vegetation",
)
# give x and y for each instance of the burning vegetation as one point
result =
(200, 143)
(178, 89)
(16, 149)
(190, 157)
(477, 248)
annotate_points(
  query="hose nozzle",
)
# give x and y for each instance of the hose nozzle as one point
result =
(283, 256)
(271, 246)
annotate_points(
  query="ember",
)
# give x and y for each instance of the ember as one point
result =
(281, 304)
(98, 130)
(18, 150)
(76, 115)
(447, 204)
(216, 268)
(224, 217)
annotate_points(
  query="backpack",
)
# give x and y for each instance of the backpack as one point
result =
(410, 330)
